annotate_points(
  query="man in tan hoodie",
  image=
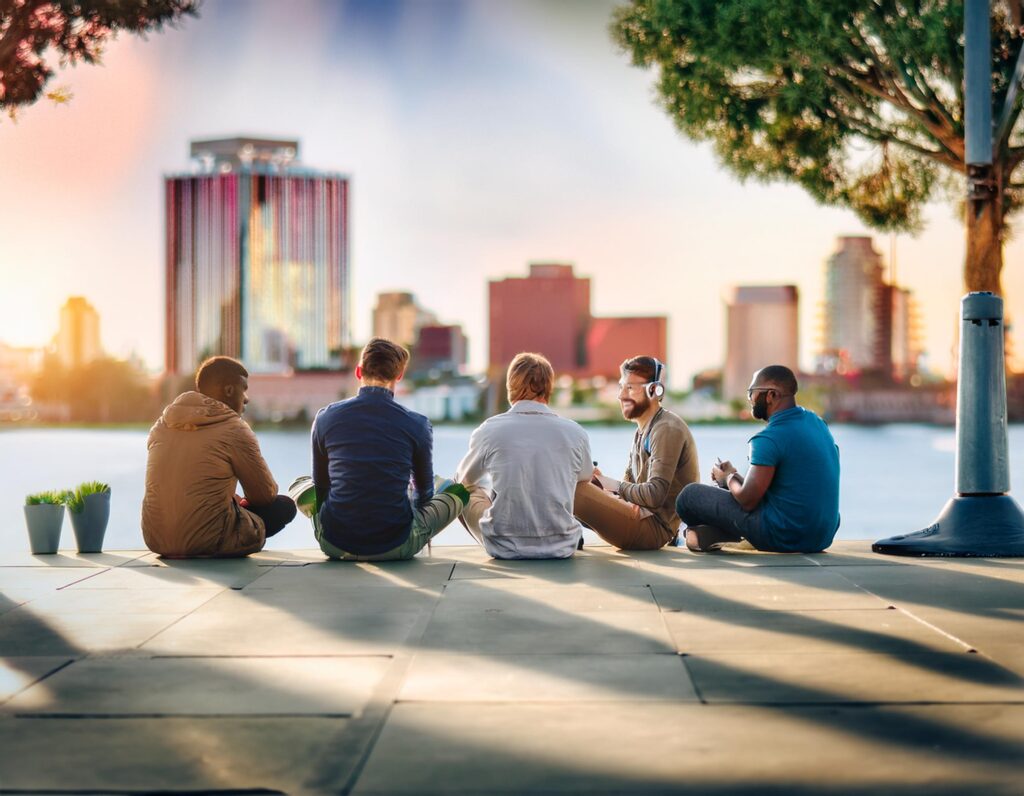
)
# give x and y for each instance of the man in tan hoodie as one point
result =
(199, 450)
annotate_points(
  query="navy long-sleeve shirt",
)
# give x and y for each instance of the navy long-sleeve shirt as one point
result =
(364, 451)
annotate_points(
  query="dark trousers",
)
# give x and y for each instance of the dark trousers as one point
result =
(276, 514)
(701, 504)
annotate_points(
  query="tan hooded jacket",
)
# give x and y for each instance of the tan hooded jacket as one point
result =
(198, 450)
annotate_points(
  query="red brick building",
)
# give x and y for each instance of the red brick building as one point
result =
(549, 312)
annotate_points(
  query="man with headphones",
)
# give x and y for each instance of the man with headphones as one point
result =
(638, 512)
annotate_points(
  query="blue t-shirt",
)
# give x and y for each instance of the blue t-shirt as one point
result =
(364, 451)
(800, 510)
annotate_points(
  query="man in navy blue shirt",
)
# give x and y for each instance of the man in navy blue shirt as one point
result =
(789, 500)
(364, 451)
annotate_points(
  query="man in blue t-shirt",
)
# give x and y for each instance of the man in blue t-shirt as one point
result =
(788, 502)
(365, 449)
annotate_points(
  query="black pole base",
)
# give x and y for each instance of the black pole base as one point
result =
(990, 526)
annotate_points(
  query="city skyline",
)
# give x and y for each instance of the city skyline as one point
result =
(477, 138)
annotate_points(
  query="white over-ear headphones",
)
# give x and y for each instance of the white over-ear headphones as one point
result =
(656, 388)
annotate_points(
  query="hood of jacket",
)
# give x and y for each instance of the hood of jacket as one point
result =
(192, 411)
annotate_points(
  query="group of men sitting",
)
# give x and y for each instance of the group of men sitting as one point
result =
(525, 489)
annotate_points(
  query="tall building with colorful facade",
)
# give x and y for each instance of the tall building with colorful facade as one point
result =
(256, 259)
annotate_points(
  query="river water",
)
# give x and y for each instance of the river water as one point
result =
(895, 478)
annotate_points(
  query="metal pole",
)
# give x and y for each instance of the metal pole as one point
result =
(981, 519)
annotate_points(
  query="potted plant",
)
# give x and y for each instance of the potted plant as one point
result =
(89, 504)
(44, 516)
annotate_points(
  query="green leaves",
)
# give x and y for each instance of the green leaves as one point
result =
(859, 102)
(76, 498)
(51, 498)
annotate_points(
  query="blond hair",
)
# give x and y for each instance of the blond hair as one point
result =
(530, 378)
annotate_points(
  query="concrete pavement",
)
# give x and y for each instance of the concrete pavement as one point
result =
(614, 672)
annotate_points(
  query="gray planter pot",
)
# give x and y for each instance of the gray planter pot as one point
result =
(90, 524)
(44, 522)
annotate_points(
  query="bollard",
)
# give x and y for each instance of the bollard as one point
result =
(981, 519)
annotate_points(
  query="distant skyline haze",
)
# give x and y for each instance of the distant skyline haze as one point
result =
(478, 137)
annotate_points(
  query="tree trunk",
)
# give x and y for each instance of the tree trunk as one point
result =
(984, 261)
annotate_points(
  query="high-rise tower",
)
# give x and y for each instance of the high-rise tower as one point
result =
(256, 259)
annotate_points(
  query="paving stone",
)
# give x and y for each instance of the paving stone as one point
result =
(165, 754)
(573, 598)
(205, 687)
(18, 673)
(24, 632)
(311, 599)
(537, 629)
(582, 568)
(659, 748)
(234, 574)
(69, 558)
(271, 631)
(18, 582)
(115, 602)
(779, 596)
(753, 632)
(798, 677)
(680, 559)
(326, 575)
(446, 677)
(941, 587)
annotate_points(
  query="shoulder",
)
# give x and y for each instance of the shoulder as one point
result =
(670, 422)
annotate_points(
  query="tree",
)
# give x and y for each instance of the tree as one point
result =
(860, 102)
(74, 31)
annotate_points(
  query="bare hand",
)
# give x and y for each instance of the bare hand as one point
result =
(721, 471)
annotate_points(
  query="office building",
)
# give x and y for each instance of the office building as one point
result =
(256, 259)
(441, 348)
(611, 341)
(761, 328)
(397, 317)
(547, 312)
(854, 321)
(78, 338)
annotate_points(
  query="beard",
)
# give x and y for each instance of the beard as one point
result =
(632, 409)
(760, 407)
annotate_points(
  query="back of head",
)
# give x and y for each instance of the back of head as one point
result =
(780, 376)
(383, 360)
(530, 378)
(216, 373)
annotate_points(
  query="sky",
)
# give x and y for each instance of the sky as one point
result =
(478, 136)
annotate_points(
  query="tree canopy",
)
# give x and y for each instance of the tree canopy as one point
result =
(860, 102)
(35, 32)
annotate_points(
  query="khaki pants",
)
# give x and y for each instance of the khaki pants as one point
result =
(618, 522)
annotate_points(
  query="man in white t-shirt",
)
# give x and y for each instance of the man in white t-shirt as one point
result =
(534, 460)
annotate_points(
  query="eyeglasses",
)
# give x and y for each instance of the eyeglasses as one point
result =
(752, 390)
(631, 388)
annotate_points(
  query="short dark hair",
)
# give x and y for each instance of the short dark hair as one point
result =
(219, 372)
(530, 376)
(383, 360)
(780, 376)
(644, 367)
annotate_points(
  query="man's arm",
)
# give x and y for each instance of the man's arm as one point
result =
(747, 491)
(251, 469)
(423, 464)
(473, 467)
(666, 445)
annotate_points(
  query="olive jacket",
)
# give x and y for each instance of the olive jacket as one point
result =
(199, 450)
